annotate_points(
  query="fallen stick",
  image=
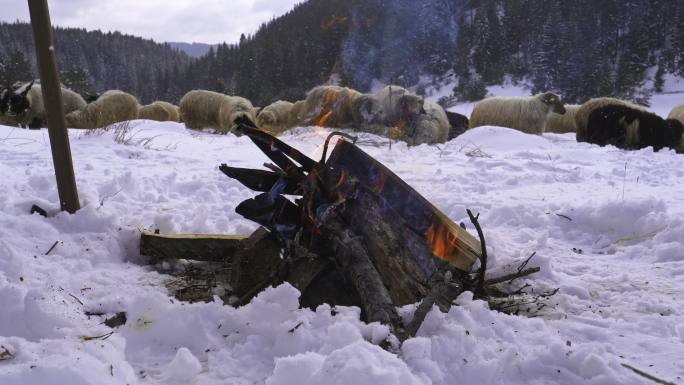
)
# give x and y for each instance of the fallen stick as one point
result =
(53, 246)
(443, 294)
(647, 376)
(512, 276)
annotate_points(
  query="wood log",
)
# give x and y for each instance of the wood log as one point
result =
(199, 247)
(255, 264)
(353, 258)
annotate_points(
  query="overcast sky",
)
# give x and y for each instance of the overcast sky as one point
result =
(203, 21)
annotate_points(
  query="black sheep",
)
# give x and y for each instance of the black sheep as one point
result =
(629, 128)
(458, 124)
(4, 100)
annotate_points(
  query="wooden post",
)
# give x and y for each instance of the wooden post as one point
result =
(52, 97)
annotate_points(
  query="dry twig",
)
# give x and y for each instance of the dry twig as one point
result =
(479, 288)
(647, 376)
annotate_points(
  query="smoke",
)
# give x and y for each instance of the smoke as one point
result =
(399, 40)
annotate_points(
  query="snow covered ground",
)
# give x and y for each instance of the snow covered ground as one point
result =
(607, 226)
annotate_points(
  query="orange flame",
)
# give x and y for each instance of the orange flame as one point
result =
(324, 118)
(441, 240)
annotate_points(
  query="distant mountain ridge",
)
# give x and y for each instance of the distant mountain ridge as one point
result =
(194, 49)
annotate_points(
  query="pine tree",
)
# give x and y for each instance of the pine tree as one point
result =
(487, 46)
(77, 79)
(17, 68)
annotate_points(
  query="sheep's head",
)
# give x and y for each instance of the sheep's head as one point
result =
(554, 101)
(19, 103)
(411, 105)
(365, 110)
(91, 97)
(73, 119)
(266, 118)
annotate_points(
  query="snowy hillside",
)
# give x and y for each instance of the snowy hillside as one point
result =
(607, 226)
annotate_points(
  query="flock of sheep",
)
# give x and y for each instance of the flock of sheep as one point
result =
(394, 112)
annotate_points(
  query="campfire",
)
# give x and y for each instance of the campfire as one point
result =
(344, 230)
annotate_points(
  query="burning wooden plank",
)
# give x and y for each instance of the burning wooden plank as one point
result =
(445, 239)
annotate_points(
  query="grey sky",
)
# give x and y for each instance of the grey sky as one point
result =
(204, 21)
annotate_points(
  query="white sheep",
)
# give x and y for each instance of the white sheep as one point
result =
(112, 107)
(526, 114)
(329, 106)
(397, 107)
(207, 109)
(430, 127)
(159, 111)
(277, 117)
(582, 114)
(677, 113)
(28, 106)
(562, 123)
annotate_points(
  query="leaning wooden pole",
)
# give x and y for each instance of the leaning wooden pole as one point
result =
(52, 97)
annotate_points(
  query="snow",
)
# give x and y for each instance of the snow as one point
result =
(606, 225)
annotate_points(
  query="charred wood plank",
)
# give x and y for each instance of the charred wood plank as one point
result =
(259, 180)
(255, 264)
(443, 238)
(273, 211)
(276, 149)
(199, 247)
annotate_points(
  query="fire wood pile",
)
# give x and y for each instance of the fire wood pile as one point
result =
(351, 233)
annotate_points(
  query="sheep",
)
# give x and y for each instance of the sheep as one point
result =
(582, 114)
(630, 128)
(526, 114)
(398, 107)
(430, 127)
(677, 113)
(329, 106)
(27, 104)
(6, 120)
(458, 124)
(159, 111)
(90, 97)
(366, 112)
(277, 117)
(4, 100)
(112, 107)
(562, 124)
(207, 109)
